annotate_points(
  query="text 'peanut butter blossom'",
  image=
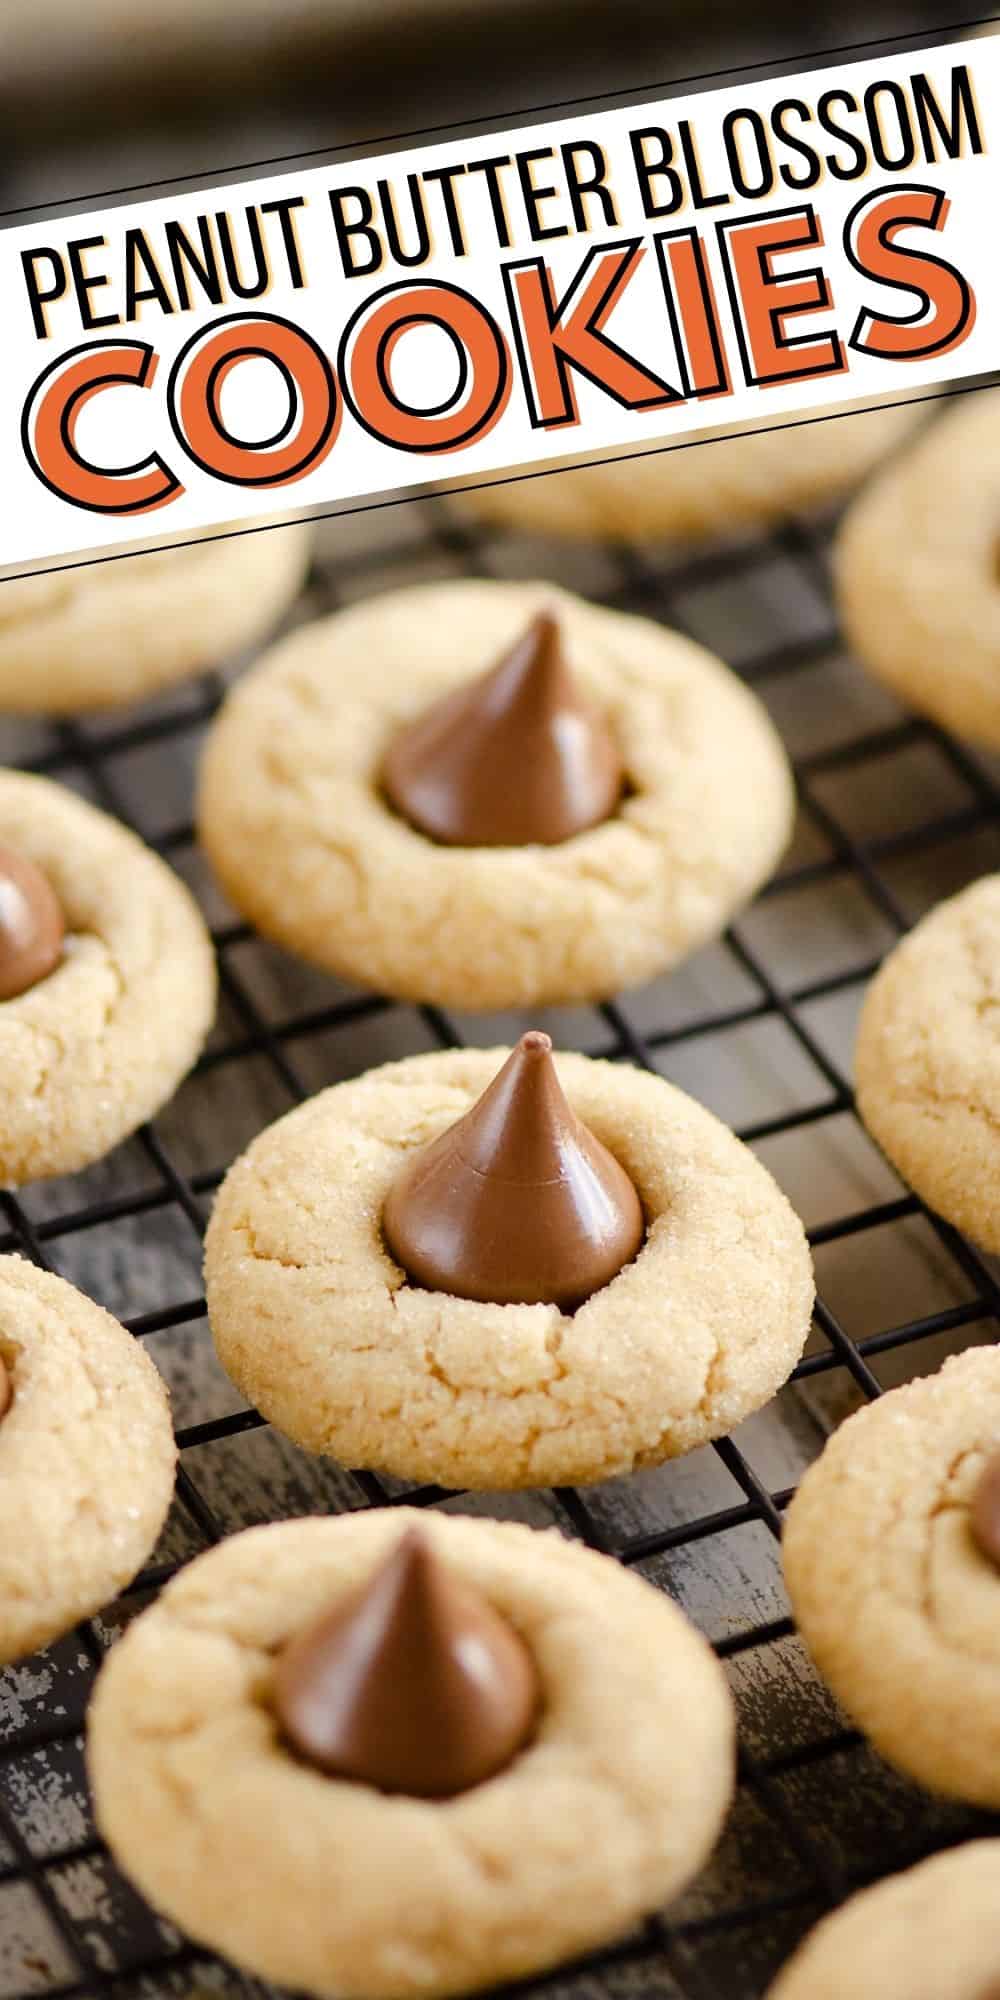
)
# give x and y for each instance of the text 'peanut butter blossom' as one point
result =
(518, 1203)
(518, 757)
(32, 926)
(985, 1516)
(414, 1683)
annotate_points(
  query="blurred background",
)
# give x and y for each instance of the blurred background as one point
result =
(97, 93)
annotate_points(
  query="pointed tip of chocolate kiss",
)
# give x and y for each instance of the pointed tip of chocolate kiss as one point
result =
(535, 1042)
(414, 1683)
(516, 757)
(518, 1203)
(537, 658)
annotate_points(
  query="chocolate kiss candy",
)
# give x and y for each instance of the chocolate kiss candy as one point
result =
(517, 757)
(985, 1514)
(6, 1389)
(518, 1203)
(412, 1684)
(32, 927)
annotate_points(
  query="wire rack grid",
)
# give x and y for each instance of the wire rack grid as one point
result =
(892, 815)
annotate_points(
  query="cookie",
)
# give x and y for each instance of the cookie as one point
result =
(87, 1457)
(97, 1044)
(711, 488)
(318, 1325)
(928, 1060)
(891, 1586)
(295, 819)
(916, 572)
(117, 630)
(330, 1885)
(928, 1934)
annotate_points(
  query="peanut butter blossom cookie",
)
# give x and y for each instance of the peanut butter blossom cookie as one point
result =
(917, 571)
(499, 1270)
(428, 1758)
(87, 1457)
(928, 1934)
(892, 1558)
(107, 981)
(928, 1060)
(711, 488)
(114, 631)
(487, 795)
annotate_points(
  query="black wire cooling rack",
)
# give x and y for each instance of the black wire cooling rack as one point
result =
(892, 815)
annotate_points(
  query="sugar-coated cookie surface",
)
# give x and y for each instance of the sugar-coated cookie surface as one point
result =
(292, 814)
(320, 1328)
(332, 1886)
(896, 1601)
(101, 1043)
(928, 1059)
(916, 570)
(114, 631)
(711, 488)
(87, 1458)
(928, 1934)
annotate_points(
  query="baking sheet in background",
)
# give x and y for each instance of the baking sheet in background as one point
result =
(758, 1026)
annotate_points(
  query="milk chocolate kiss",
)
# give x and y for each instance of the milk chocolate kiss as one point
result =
(6, 1390)
(518, 1203)
(519, 756)
(985, 1516)
(411, 1684)
(32, 927)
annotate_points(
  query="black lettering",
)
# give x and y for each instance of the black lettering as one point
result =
(282, 209)
(37, 298)
(491, 170)
(83, 284)
(962, 121)
(897, 98)
(199, 264)
(595, 183)
(734, 154)
(446, 177)
(859, 163)
(393, 237)
(361, 227)
(533, 196)
(647, 171)
(689, 148)
(257, 285)
(141, 263)
(779, 121)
